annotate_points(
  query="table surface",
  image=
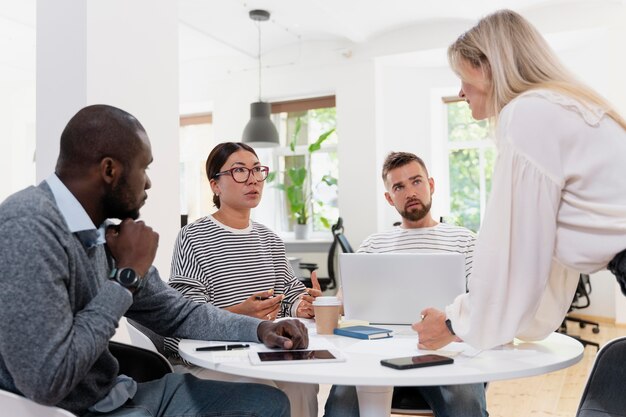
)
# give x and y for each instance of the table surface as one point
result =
(362, 366)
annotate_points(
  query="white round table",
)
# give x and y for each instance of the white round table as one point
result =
(375, 382)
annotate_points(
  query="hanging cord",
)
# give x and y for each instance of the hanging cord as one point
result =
(258, 25)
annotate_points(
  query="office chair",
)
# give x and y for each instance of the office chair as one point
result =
(339, 242)
(140, 364)
(605, 392)
(408, 401)
(581, 300)
(143, 337)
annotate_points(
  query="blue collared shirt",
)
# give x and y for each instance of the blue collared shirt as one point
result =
(79, 223)
(76, 218)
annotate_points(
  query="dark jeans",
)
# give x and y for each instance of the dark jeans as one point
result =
(184, 395)
(445, 401)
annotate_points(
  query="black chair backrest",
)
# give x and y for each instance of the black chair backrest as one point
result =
(604, 392)
(581, 297)
(140, 364)
(157, 340)
(338, 240)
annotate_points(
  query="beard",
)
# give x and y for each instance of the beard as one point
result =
(416, 213)
(118, 202)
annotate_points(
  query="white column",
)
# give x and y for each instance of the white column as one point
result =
(121, 53)
(360, 195)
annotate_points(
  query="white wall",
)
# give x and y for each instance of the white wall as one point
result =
(385, 91)
(17, 121)
(95, 52)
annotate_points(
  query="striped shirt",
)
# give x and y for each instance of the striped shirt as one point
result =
(214, 263)
(440, 238)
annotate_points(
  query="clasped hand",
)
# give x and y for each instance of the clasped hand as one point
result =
(133, 244)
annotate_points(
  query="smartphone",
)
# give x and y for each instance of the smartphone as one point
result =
(416, 361)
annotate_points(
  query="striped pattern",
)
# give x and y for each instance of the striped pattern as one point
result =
(215, 264)
(441, 238)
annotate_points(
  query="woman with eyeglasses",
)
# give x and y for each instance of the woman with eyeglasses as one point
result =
(235, 263)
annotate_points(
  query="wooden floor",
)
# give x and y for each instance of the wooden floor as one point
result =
(553, 394)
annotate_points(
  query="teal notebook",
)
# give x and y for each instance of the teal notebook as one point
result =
(364, 332)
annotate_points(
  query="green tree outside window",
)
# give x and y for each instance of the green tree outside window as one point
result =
(471, 155)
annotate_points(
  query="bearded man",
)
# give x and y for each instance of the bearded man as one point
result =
(410, 190)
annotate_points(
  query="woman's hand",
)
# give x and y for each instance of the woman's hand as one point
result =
(262, 305)
(432, 330)
(305, 308)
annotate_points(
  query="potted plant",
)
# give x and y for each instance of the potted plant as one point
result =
(295, 183)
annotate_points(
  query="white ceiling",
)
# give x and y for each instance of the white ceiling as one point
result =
(222, 28)
(213, 30)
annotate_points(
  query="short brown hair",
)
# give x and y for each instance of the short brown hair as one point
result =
(398, 159)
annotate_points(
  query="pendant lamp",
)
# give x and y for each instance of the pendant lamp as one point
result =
(260, 132)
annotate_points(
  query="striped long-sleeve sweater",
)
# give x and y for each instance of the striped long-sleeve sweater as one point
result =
(216, 264)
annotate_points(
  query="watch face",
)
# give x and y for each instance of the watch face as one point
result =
(127, 277)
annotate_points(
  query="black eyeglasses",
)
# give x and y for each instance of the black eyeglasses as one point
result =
(241, 174)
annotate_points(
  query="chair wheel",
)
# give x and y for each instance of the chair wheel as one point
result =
(582, 325)
(595, 330)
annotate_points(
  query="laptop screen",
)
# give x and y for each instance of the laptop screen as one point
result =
(393, 288)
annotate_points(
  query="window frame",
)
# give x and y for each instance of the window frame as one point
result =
(442, 148)
(291, 106)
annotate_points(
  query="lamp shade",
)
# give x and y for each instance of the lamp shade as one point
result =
(260, 131)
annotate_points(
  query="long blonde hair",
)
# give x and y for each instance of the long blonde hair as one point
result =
(516, 58)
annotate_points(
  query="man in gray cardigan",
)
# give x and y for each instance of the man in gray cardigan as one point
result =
(66, 280)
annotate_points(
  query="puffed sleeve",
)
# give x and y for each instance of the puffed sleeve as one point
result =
(517, 289)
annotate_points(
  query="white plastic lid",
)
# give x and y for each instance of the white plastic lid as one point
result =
(326, 301)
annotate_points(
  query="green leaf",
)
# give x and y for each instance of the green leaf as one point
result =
(318, 143)
(294, 137)
(295, 196)
(325, 222)
(297, 175)
(329, 180)
(271, 177)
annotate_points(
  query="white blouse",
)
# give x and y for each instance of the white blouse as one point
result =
(557, 208)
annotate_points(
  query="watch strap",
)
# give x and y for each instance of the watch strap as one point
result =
(449, 326)
(114, 276)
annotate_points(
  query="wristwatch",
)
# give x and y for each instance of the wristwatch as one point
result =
(449, 326)
(127, 278)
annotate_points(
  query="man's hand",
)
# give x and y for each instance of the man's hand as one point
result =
(284, 334)
(261, 305)
(305, 308)
(133, 245)
(432, 330)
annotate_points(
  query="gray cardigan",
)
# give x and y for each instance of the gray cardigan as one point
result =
(58, 309)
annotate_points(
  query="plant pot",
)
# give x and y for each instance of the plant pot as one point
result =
(301, 231)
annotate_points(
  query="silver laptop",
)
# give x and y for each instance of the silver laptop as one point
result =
(386, 288)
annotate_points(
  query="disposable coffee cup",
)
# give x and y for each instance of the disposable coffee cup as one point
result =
(326, 314)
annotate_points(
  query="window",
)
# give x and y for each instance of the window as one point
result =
(196, 141)
(471, 155)
(302, 123)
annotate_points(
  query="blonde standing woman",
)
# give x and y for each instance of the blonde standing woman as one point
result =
(558, 200)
